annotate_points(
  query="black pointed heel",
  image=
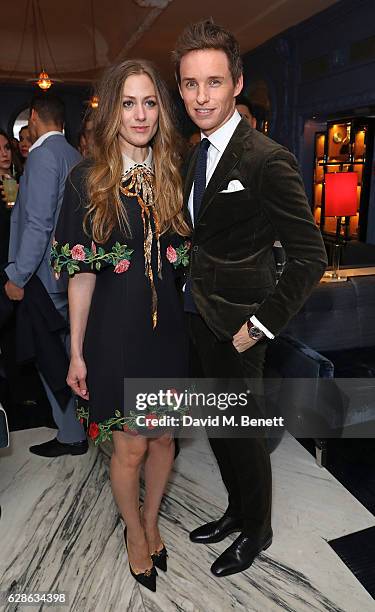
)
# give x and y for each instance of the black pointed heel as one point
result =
(147, 578)
(160, 559)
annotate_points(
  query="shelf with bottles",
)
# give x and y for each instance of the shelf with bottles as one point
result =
(345, 146)
(318, 174)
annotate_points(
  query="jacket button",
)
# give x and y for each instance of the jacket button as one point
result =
(195, 248)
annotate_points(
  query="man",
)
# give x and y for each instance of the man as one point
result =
(241, 190)
(33, 223)
(246, 110)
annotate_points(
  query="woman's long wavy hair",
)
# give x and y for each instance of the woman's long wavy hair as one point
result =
(104, 207)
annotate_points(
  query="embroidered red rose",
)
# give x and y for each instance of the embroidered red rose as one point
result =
(93, 247)
(148, 420)
(93, 431)
(171, 254)
(122, 266)
(81, 420)
(78, 252)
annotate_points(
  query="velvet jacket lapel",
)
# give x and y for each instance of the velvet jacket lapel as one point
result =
(242, 139)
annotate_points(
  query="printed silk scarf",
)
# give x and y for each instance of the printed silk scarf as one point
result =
(138, 182)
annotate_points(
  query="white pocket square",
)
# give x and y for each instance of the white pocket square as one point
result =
(233, 186)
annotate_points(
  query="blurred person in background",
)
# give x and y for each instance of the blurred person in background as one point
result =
(7, 328)
(33, 222)
(246, 110)
(6, 170)
(86, 136)
(24, 143)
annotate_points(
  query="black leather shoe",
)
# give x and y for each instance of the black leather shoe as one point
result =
(54, 448)
(240, 555)
(216, 530)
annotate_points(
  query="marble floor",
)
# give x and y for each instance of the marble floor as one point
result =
(60, 532)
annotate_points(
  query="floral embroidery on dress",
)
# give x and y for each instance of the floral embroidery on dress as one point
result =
(179, 255)
(102, 431)
(64, 256)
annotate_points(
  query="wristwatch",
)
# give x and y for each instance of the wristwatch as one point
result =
(254, 332)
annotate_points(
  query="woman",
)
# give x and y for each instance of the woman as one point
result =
(7, 332)
(6, 162)
(24, 143)
(119, 227)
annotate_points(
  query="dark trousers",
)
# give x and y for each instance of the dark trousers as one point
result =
(244, 462)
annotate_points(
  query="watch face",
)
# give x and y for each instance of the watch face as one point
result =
(255, 333)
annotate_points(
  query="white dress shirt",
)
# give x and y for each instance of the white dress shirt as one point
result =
(219, 141)
(44, 137)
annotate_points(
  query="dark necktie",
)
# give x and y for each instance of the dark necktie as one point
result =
(199, 187)
(200, 176)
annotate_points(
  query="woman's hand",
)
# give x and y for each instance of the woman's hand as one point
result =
(76, 378)
(3, 191)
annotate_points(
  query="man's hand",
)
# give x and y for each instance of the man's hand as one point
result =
(242, 340)
(13, 292)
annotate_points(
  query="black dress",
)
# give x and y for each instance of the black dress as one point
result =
(121, 340)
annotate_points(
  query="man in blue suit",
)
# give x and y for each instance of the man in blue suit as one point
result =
(33, 223)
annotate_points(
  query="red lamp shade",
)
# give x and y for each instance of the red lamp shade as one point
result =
(340, 194)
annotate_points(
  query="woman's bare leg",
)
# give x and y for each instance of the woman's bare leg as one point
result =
(127, 458)
(158, 466)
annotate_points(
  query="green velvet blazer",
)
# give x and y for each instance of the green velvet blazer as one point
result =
(232, 266)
